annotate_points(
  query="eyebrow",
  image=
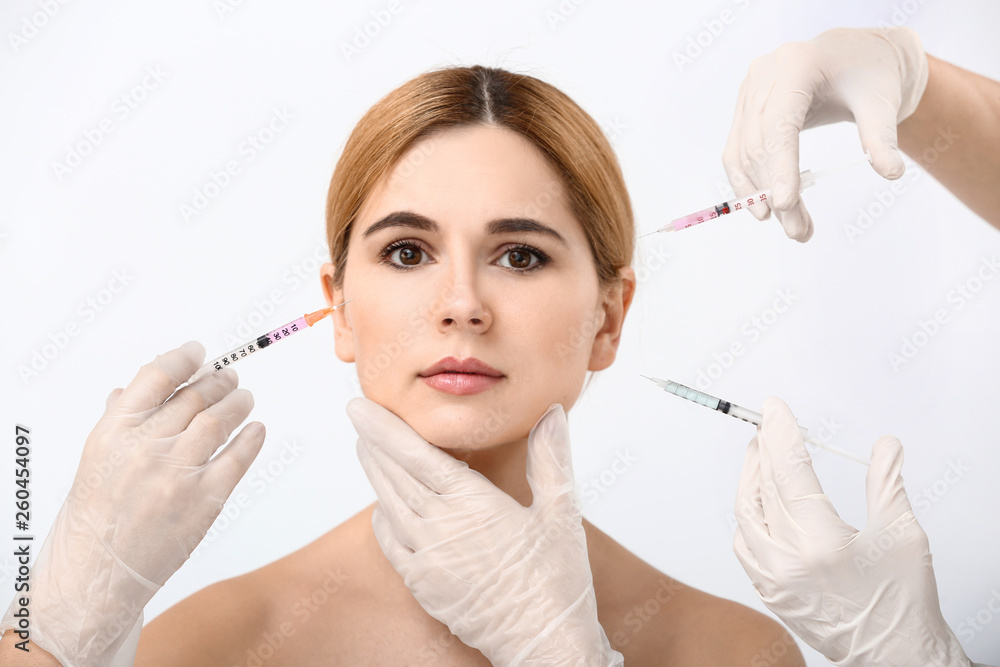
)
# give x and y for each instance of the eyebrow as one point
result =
(500, 226)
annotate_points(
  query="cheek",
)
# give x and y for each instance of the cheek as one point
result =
(384, 328)
(556, 337)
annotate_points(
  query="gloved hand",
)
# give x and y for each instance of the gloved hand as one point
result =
(511, 581)
(144, 496)
(874, 77)
(860, 598)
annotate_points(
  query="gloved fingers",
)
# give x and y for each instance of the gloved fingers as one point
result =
(750, 519)
(745, 556)
(797, 222)
(405, 522)
(211, 428)
(112, 398)
(754, 164)
(876, 121)
(748, 501)
(887, 499)
(436, 469)
(158, 379)
(739, 168)
(177, 413)
(791, 494)
(396, 552)
(781, 122)
(411, 490)
(782, 108)
(550, 460)
(222, 473)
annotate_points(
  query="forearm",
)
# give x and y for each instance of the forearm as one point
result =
(35, 656)
(955, 135)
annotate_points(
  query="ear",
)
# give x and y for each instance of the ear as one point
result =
(343, 335)
(617, 299)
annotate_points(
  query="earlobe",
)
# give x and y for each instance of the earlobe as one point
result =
(617, 300)
(343, 335)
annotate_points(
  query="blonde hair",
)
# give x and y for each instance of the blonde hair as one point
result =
(462, 96)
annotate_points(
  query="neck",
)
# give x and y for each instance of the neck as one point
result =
(504, 465)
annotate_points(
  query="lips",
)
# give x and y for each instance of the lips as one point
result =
(469, 365)
(461, 377)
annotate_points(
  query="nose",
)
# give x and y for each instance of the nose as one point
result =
(461, 305)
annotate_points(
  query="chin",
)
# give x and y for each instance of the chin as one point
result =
(468, 428)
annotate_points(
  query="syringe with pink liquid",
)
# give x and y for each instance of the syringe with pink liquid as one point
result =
(263, 341)
(807, 179)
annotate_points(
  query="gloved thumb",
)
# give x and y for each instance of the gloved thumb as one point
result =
(876, 120)
(550, 462)
(887, 500)
(112, 397)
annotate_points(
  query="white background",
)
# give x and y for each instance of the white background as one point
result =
(225, 73)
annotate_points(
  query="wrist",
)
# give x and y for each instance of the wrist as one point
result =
(931, 646)
(573, 637)
(84, 602)
(913, 67)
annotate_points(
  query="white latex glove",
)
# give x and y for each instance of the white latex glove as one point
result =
(860, 598)
(144, 496)
(511, 581)
(873, 77)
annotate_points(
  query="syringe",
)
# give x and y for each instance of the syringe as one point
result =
(263, 341)
(733, 410)
(807, 179)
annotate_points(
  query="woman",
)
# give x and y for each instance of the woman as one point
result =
(479, 221)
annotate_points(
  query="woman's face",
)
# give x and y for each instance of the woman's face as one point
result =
(469, 251)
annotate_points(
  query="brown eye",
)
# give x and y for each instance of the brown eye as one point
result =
(523, 259)
(519, 259)
(410, 256)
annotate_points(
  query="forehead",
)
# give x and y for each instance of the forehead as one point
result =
(474, 173)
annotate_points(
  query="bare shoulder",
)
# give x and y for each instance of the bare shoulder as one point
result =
(724, 632)
(653, 619)
(210, 627)
(270, 613)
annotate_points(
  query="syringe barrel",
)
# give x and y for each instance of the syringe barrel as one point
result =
(755, 417)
